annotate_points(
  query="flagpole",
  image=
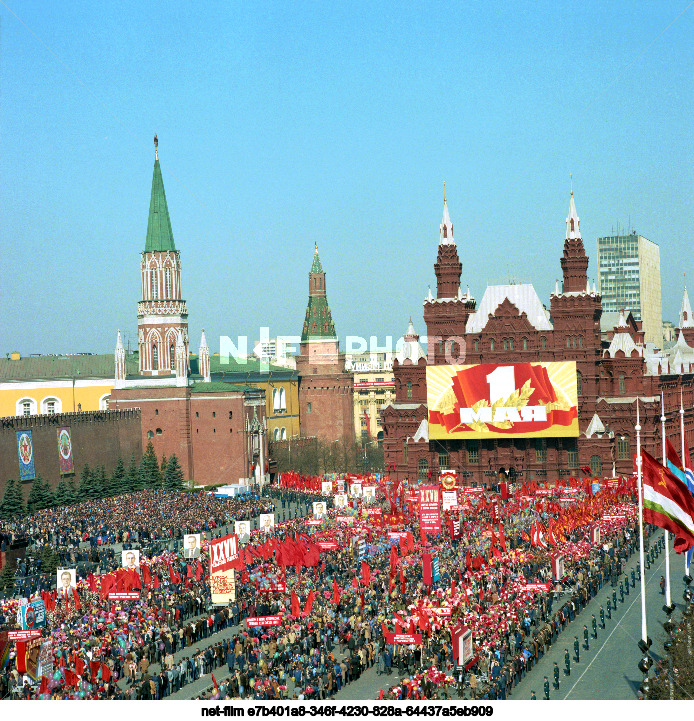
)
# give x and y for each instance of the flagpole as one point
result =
(683, 456)
(644, 627)
(666, 534)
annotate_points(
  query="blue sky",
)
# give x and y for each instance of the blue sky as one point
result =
(285, 124)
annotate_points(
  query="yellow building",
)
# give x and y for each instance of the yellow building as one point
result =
(57, 384)
(374, 387)
(67, 384)
(281, 386)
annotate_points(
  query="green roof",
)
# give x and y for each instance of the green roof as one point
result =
(159, 233)
(318, 324)
(239, 367)
(316, 267)
(215, 387)
(47, 367)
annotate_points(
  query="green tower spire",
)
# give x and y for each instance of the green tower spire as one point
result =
(159, 233)
(318, 323)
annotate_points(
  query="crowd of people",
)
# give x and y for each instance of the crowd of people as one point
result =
(335, 616)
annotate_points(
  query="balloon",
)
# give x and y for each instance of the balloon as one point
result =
(57, 675)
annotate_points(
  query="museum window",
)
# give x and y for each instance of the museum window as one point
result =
(596, 465)
(540, 450)
(525, 344)
(405, 451)
(409, 389)
(473, 451)
(543, 342)
(505, 344)
(308, 408)
(443, 460)
(622, 385)
(580, 341)
(623, 448)
(423, 469)
(155, 357)
(477, 345)
(568, 342)
(510, 343)
(491, 344)
(579, 384)
(572, 458)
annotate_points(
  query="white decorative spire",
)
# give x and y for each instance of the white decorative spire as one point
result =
(460, 293)
(587, 287)
(595, 292)
(446, 227)
(204, 359)
(686, 320)
(573, 230)
(181, 365)
(467, 293)
(430, 297)
(556, 287)
(120, 363)
(622, 322)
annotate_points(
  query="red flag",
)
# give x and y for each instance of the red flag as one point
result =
(105, 673)
(147, 576)
(76, 597)
(43, 688)
(79, 666)
(189, 570)
(393, 560)
(365, 573)
(214, 681)
(94, 667)
(198, 570)
(156, 581)
(309, 603)
(336, 592)
(296, 606)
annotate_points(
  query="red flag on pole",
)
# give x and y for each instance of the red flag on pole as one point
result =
(365, 573)
(336, 592)
(296, 606)
(76, 598)
(309, 604)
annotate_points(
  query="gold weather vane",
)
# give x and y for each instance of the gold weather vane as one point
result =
(572, 183)
(444, 191)
(156, 147)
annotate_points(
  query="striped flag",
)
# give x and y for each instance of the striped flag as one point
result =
(667, 503)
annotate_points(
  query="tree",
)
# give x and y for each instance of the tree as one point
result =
(40, 495)
(101, 483)
(12, 505)
(162, 470)
(149, 468)
(64, 493)
(133, 482)
(7, 576)
(49, 561)
(174, 475)
(86, 490)
(118, 479)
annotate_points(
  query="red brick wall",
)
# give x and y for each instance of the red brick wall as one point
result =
(331, 417)
(98, 438)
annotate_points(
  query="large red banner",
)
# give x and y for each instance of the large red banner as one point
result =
(403, 638)
(224, 553)
(429, 512)
(497, 400)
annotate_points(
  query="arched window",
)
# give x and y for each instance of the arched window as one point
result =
(172, 357)
(505, 344)
(491, 344)
(283, 435)
(622, 384)
(277, 434)
(168, 282)
(623, 448)
(283, 400)
(543, 342)
(596, 465)
(103, 402)
(150, 434)
(580, 341)
(275, 400)
(26, 407)
(525, 344)
(159, 431)
(155, 357)
(568, 342)
(51, 405)
(579, 384)
(444, 460)
(510, 343)
(477, 345)
(409, 389)
(423, 469)
(405, 451)
(153, 279)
